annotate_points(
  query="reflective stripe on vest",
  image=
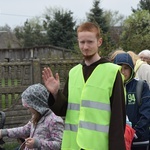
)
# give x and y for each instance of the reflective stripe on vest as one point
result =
(87, 125)
(88, 110)
(90, 126)
(96, 105)
(88, 103)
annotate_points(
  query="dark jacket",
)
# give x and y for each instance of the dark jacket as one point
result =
(139, 115)
(117, 100)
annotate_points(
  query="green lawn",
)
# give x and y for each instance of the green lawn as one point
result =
(9, 82)
(3, 96)
(10, 146)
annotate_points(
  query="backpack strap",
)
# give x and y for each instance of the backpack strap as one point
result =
(139, 89)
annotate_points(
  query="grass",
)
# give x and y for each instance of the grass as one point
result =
(10, 146)
(9, 100)
(9, 82)
(9, 97)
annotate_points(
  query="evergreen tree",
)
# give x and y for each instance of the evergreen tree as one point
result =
(23, 34)
(96, 15)
(30, 34)
(60, 29)
(143, 5)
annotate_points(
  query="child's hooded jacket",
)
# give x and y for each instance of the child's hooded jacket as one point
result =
(47, 133)
(138, 115)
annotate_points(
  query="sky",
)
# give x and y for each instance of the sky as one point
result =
(16, 12)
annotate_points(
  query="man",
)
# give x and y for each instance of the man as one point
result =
(145, 55)
(93, 98)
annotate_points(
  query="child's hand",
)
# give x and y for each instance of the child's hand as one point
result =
(29, 142)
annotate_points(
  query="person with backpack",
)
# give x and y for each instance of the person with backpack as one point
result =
(139, 115)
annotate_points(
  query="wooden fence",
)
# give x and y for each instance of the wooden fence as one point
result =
(40, 52)
(16, 76)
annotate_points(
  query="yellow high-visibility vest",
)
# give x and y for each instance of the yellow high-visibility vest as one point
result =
(88, 113)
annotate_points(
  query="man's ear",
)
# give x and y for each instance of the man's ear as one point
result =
(100, 41)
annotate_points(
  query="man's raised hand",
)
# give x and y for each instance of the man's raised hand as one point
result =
(52, 83)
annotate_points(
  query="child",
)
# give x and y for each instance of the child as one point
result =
(138, 115)
(44, 130)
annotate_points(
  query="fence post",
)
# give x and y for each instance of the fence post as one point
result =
(36, 71)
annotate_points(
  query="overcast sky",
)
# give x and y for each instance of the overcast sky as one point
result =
(15, 12)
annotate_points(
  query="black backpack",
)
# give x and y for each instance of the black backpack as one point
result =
(139, 89)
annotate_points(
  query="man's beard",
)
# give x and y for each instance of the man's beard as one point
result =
(88, 57)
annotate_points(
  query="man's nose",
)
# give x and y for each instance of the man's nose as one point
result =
(85, 46)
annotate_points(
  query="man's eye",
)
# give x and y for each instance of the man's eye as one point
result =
(82, 42)
(89, 42)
